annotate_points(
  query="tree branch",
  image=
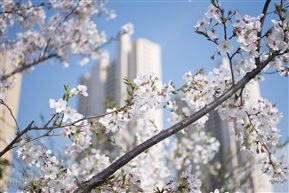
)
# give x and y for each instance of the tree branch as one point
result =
(11, 113)
(19, 133)
(100, 178)
(26, 66)
(16, 139)
(259, 34)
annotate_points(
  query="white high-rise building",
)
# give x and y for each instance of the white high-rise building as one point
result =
(105, 81)
(258, 182)
(232, 158)
(107, 90)
(241, 171)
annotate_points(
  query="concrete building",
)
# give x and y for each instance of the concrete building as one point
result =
(7, 123)
(250, 178)
(105, 81)
(232, 158)
(107, 90)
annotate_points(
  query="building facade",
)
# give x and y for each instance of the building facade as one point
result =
(235, 168)
(7, 122)
(105, 81)
(107, 90)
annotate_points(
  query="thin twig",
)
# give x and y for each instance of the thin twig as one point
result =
(27, 65)
(259, 33)
(79, 120)
(38, 137)
(19, 134)
(16, 139)
(11, 113)
(231, 69)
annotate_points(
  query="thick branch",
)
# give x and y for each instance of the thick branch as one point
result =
(100, 178)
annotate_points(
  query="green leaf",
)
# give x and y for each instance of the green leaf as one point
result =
(66, 88)
(64, 97)
(110, 178)
(102, 140)
(213, 2)
(98, 134)
(201, 33)
(278, 9)
(127, 81)
(175, 92)
(61, 172)
(201, 71)
(130, 92)
(127, 101)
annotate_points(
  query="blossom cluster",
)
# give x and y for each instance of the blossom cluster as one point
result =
(279, 171)
(200, 90)
(246, 30)
(70, 30)
(5, 86)
(148, 93)
(57, 177)
(256, 121)
(188, 183)
(200, 144)
(256, 128)
(75, 126)
(51, 169)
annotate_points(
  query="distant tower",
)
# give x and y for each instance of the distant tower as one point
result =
(258, 182)
(229, 150)
(105, 83)
(105, 86)
(221, 129)
(7, 123)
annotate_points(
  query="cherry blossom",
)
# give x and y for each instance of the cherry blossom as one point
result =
(50, 169)
(59, 105)
(213, 13)
(225, 46)
(127, 29)
(202, 24)
(148, 93)
(80, 89)
(212, 34)
(69, 113)
(69, 30)
(198, 143)
(189, 183)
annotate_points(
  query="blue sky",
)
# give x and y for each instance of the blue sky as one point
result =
(168, 23)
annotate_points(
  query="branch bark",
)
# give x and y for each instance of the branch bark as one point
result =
(262, 20)
(100, 178)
